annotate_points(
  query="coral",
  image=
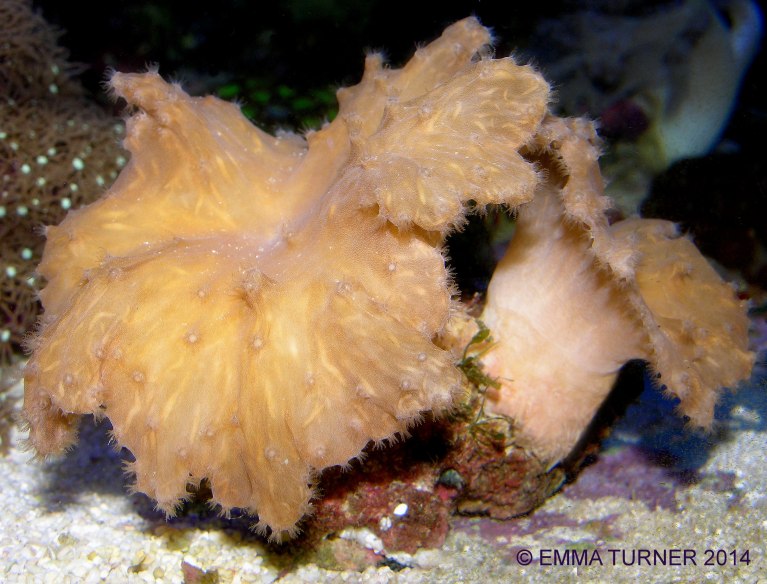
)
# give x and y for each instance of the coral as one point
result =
(10, 378)
(253, 309)
(574, 299)
(32, 63)
(57, 151)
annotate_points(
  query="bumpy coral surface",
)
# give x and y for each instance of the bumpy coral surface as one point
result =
(253, 309)
(697, 326)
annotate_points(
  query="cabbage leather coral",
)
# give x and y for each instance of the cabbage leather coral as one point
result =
(253, 309)
(574, 299)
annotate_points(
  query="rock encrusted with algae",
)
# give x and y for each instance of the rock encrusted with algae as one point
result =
(467, 463)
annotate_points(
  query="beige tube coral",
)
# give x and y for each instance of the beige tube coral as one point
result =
(252, 309)
(574, 299)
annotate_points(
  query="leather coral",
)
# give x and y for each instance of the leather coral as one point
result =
(575, 298)
(251, 309)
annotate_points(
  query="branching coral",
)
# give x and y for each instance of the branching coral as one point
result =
(57, 151)
(253, 309)
(574, 299)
